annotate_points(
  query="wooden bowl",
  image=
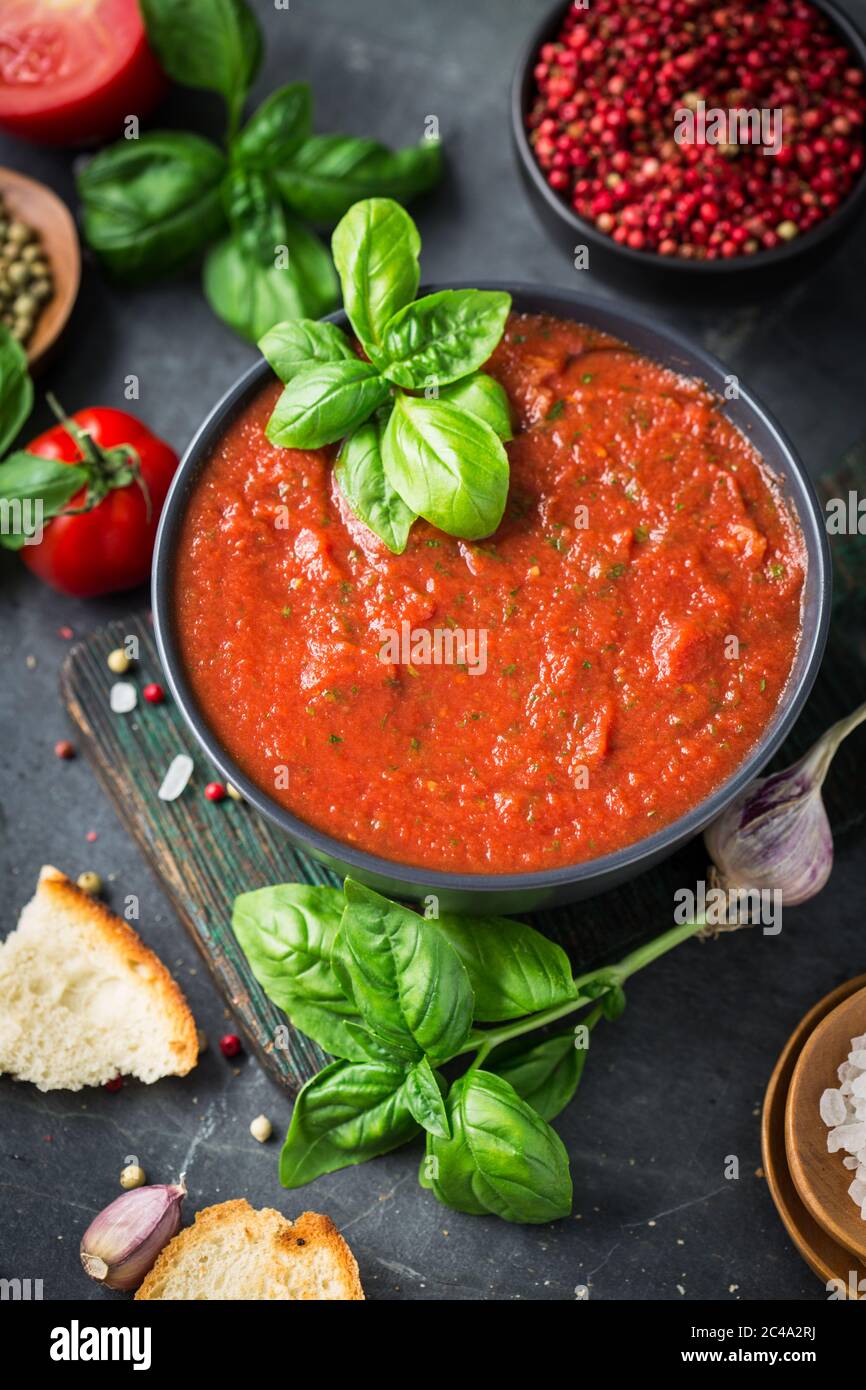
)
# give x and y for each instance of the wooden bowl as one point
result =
(824, 1255)
(42, 210)
(821, 1178)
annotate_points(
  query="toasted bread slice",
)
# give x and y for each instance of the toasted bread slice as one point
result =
(236, 1252)
(83, 1000)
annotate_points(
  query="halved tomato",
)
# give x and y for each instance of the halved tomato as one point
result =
(71, 70)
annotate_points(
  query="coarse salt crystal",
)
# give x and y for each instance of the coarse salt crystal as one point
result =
(180, 770)
(123, 697)
(857, 1058)
(849, 1137)
(833, 1108)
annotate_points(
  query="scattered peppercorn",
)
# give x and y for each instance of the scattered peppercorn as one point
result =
(117, 661)
(89, 882)
(115, 1084)
(602, 123)
(233, 792)
(230, 1045)
(261, 1129)
(132, 1176)
(64, 749)
(215, 791)
(153, 693)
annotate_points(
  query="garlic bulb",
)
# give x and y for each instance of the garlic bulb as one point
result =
(121, 1244)
(776, 834)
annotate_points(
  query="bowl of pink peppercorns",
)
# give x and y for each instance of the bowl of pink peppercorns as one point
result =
(692, 135)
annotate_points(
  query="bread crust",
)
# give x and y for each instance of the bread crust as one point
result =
(60, 894)
(310, 1228)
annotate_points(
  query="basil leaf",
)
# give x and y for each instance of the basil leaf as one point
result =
(613, 1003)
(503, 1158)
(211, 44)
(325, 402)
(16, 388)
(424, 1088)
(368, 492)
(297, 344)
(547, 1075)
(408, 981)
(287, 934)
(32, 491)
(311, 265)
(447, 465)
(514, 969)
(250, 297)
(376, 248)
(443, 336)
(151, 204)
(255, 214)
(331, 172)
(486, 398)
(346, 1114)
(333, 1024)
(277, 129)
(367, 1047)
(268, 237)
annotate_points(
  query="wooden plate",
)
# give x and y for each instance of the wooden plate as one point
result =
(821, 1178)
(42, 210)
(824, 1256)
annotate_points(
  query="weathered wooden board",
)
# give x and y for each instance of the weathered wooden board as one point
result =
(207, 853)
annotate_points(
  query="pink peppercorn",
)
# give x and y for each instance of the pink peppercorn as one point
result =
(230, 1045)
(611, 82)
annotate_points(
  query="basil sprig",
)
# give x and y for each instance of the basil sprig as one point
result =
(152, 204)
(440, 455)
(394, 997)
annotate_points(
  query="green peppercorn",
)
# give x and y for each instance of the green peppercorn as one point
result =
(24, 306)
(19, 233)
(41, 289)
(18, 274)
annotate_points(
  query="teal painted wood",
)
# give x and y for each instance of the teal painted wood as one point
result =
(206, 853)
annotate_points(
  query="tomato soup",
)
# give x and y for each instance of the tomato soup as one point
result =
(589, 673)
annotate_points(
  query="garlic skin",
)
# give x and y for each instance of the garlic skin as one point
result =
(121, 1244)
(775, 835)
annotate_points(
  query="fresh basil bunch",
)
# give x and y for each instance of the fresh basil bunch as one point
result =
(152, 204)
(394, 997)
(403, 455)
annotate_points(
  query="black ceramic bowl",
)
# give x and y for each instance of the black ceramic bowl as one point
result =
(483, 893)
(636, 267)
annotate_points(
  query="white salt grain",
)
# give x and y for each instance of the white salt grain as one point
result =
(833, 1108)
(857, 1058)
(176, 778)
(122, 697)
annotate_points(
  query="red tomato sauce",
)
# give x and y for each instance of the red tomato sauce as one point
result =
(640, 604)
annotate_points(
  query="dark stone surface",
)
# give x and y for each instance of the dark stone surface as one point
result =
(676, 1086)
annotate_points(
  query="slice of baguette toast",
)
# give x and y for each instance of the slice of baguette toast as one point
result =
(83, 1000)
(235, 1252)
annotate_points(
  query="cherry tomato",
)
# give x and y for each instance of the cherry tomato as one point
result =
(71, 72)
(109, 547)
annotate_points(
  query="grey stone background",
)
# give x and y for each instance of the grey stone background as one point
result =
(672, 1089)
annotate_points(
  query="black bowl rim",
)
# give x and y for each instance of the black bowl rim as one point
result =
(626, 861)
(825, 229)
